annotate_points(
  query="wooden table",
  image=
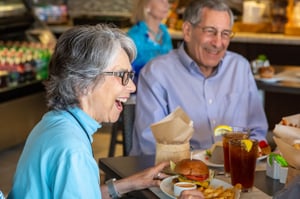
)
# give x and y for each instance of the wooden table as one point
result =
(281, 98)
(120, 167)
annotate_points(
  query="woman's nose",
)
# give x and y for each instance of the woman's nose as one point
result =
(131, 86)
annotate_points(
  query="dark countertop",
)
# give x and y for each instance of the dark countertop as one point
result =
(10, 93)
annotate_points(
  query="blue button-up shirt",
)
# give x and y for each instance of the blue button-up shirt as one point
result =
(229, 96)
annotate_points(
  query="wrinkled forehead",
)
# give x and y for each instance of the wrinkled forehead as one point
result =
(215, 18)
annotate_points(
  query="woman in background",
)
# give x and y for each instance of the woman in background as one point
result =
(149, 34)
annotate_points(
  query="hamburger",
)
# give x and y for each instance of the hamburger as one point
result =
(191, 170)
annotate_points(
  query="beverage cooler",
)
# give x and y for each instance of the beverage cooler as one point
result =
(26, 45)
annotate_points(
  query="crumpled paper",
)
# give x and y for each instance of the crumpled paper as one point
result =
(172, 135)
(287, 133)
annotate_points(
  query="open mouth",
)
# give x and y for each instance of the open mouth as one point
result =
(119, 103)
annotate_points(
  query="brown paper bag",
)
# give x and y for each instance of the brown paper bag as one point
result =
(289, 153)
(172, 135)
(174, 152)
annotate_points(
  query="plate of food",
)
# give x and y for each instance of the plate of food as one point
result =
(216, 185)
(197, 172)
(206, 158)
(214, 157)
(264, 149)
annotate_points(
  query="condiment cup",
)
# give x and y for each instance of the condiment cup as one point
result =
(181, 186)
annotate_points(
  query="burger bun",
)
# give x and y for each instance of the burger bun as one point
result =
(191, 167)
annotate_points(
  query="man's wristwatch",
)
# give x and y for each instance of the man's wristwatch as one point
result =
(113, 193)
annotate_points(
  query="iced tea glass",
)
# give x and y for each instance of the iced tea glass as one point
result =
(242, 163)
(236, 133)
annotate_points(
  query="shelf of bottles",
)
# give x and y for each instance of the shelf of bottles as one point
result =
(23, 62)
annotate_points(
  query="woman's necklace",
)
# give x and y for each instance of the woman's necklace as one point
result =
(157, 36)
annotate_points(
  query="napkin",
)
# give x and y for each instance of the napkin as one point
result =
(287, 134)
(172, 135)
(288, 129)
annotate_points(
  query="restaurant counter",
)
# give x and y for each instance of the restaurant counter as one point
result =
(20, 107)
(248, 37)
(281, 93)
(279, 48)
(262, 38)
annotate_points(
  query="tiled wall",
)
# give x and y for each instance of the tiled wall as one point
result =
(100, 7)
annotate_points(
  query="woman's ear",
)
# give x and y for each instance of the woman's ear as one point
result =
(187, 31)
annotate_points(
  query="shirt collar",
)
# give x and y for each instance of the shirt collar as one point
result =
(88, 124)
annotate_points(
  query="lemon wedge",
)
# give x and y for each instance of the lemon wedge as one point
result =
(172, 165)
(222, 129)
(247, 144)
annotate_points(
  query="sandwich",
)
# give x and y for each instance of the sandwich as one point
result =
(192, 170)
(266, 71)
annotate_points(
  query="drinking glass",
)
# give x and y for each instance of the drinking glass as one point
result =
(242, 163)
(236, 133)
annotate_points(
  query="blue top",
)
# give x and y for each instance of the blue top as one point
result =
(57, 159)
(229, 96)
(1, 195)
(147, 49)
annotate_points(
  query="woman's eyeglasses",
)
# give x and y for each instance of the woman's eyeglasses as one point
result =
(124, 75)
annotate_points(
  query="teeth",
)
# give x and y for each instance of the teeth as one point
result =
(122, 100)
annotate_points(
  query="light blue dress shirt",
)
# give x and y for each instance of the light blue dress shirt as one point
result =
(229, 96)
(57, 159)
(147, 49)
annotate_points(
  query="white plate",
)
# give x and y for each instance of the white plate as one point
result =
(167, 186)
(262, 157)
(201, 155)
(268, 80)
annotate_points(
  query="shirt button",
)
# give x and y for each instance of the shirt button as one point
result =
(210, 101)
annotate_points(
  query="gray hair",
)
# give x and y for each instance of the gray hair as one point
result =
(194, 10)
(81, 54)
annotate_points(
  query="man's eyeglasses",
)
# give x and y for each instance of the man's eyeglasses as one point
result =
(124, 75)
(212, 31)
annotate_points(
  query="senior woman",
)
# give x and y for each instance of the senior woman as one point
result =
(90, 76)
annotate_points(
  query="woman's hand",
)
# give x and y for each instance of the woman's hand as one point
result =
(191, 194)
(147, 178)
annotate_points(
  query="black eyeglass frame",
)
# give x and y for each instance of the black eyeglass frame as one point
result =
(124, 75)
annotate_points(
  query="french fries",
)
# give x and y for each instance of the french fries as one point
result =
(220, 192)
